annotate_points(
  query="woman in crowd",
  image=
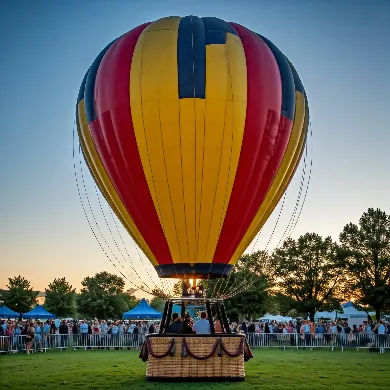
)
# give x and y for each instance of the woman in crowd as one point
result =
(30, 334)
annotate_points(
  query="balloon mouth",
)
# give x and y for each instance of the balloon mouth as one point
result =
(198, 271)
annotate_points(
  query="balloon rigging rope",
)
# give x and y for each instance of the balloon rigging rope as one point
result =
(127, 258)
(113, 218)
(145, 263)
(291, 221)
(145, 266)
(89, 221)
(307, 185)
(228, 289)
(98, 227)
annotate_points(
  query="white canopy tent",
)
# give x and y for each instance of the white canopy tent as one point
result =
(350, 314)
(326, 315)
(270, 317)
(353, 316)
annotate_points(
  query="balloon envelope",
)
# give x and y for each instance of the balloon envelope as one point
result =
(192, 128)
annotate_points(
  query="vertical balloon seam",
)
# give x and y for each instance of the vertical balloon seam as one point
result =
(287, 109)
(219, 163)
(257, 202)
(96, 117)
(216, 65)
(251, 43)
(108, 57)
(231, 260)
(195, 133)
(203, 212)
(182, 66)
(138, 127)
(223, 28)
(147, 149)
(227, 31)
(220, 229)
(245, 33)
(279, 57)
(107, 84)
(219, 177)
(198, 216)
(157, 206)
(181, 151)
(284, 126)
(140, 47)
(174, 217)
(227, 195)
(298, 153)
(104, 183)
(88, 95)
(223, 216)
(195, 254)
(181, 137)
(134, 41)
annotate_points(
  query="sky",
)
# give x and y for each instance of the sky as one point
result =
(341, 50)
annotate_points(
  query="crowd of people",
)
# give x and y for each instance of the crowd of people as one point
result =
(106, 333)
(319, 327)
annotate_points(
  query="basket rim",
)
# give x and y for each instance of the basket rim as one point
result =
(163, 335)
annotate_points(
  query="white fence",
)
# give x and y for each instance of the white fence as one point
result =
(320, 340)
(13, 344)
(44, 342)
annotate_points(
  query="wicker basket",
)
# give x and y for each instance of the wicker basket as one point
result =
(195, 357)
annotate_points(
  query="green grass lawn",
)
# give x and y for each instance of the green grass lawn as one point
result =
(270, 369)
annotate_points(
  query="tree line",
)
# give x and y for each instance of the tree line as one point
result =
(101, 296)
(314, 273)
(303, 276)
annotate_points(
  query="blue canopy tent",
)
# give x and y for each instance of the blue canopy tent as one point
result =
(5, 312)
(142, 312)
(38, 312)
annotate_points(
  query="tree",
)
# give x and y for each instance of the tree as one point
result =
(130, 300)
(157, 303)
(20, 296)
(246, 289)
(249, 303)
(180, 286)
(279, 303)
(160, 293)
(365, 252)
(102, 296)
(60, 298)
(307, 270)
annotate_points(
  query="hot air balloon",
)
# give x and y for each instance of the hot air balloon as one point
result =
(192, 129)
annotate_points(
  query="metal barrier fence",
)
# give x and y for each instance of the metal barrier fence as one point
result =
(320, 340)
(43, 342)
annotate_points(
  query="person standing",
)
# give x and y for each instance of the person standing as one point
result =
(63, 332)
(187, 325)
(30, 334)
(202, 326)
(84, 334)
(176, 325)
(381, 329)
